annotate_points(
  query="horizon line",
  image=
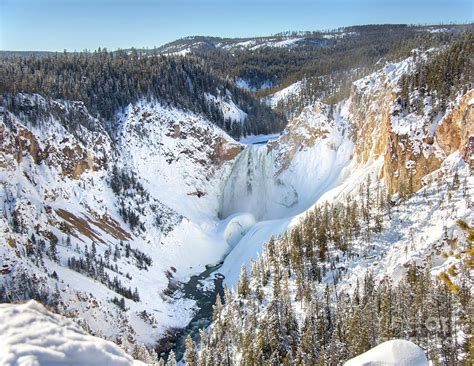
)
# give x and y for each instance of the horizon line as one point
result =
(278, 34)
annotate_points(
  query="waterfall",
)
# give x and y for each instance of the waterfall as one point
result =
(253, 188)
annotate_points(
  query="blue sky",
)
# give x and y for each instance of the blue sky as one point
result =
(55, 25)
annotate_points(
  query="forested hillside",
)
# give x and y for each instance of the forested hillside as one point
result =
(107, 82)
(328, 61)
(297, 305)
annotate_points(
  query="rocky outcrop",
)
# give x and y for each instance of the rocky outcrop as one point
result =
(456, 128)
(26, 143)
(410, 156)
(370, 112)
(69, 154)
(226, 150)
(412, 145)
(316, 123)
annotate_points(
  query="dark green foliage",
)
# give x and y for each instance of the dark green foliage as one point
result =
(119, 302)
(108, 81)
(443, 75)
(93, 266)
(347, 324)
(338, 323)
(27, 287)
(328, 65)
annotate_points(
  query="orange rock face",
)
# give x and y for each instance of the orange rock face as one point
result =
(457, 127)
(408, 157)
(226, 151)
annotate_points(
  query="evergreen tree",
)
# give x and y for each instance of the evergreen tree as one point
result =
(243, 286)
(190, 354)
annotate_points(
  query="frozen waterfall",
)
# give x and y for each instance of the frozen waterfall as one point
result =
(252, 187)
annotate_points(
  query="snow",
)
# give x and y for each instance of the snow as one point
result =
(214, 210)
(242, 44)
(33, 336)
(441, 30)
(182, 52)
(416, 228)
(229, 109)
(250, 246)
(284, 43)
(279, 181)
(286, 93)
(236, 226)
(391, 353)
(169, 151)
(254, 44)
(244, 84)
(339, 35)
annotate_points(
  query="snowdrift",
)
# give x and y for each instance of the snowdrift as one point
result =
(396, 352)
(31, 336)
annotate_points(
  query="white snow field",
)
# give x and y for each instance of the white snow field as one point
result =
(396, 352)
(33, 336)
(290, 91)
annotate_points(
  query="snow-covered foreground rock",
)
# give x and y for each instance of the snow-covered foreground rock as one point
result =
(391, 353)
(33, 336)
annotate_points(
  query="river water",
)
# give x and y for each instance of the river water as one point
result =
(205, 297)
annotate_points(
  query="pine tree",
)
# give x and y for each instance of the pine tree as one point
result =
(171, 359)
(243, 285)
(52, 250)
(190, 354)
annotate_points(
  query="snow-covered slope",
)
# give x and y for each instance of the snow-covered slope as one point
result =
(228, 108)
(144, 202)
(198, 43)
(287, 175)
(391, 353)
(328, 152)
(403, 181)
(31, 335)
(292, 91)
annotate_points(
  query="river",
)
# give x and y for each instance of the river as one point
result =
(205, 297)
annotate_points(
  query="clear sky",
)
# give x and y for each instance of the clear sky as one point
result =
(55, 25)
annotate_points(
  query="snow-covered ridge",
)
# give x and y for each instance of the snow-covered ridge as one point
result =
(190, 44)
(327, 152)
(285, 94)
(228, 108)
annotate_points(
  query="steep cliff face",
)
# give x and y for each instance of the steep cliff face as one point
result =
(370, 109)
(288, 174)
(419, 144)
(412, 145)
(405, 188)
(457, 127)
(70, 151)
